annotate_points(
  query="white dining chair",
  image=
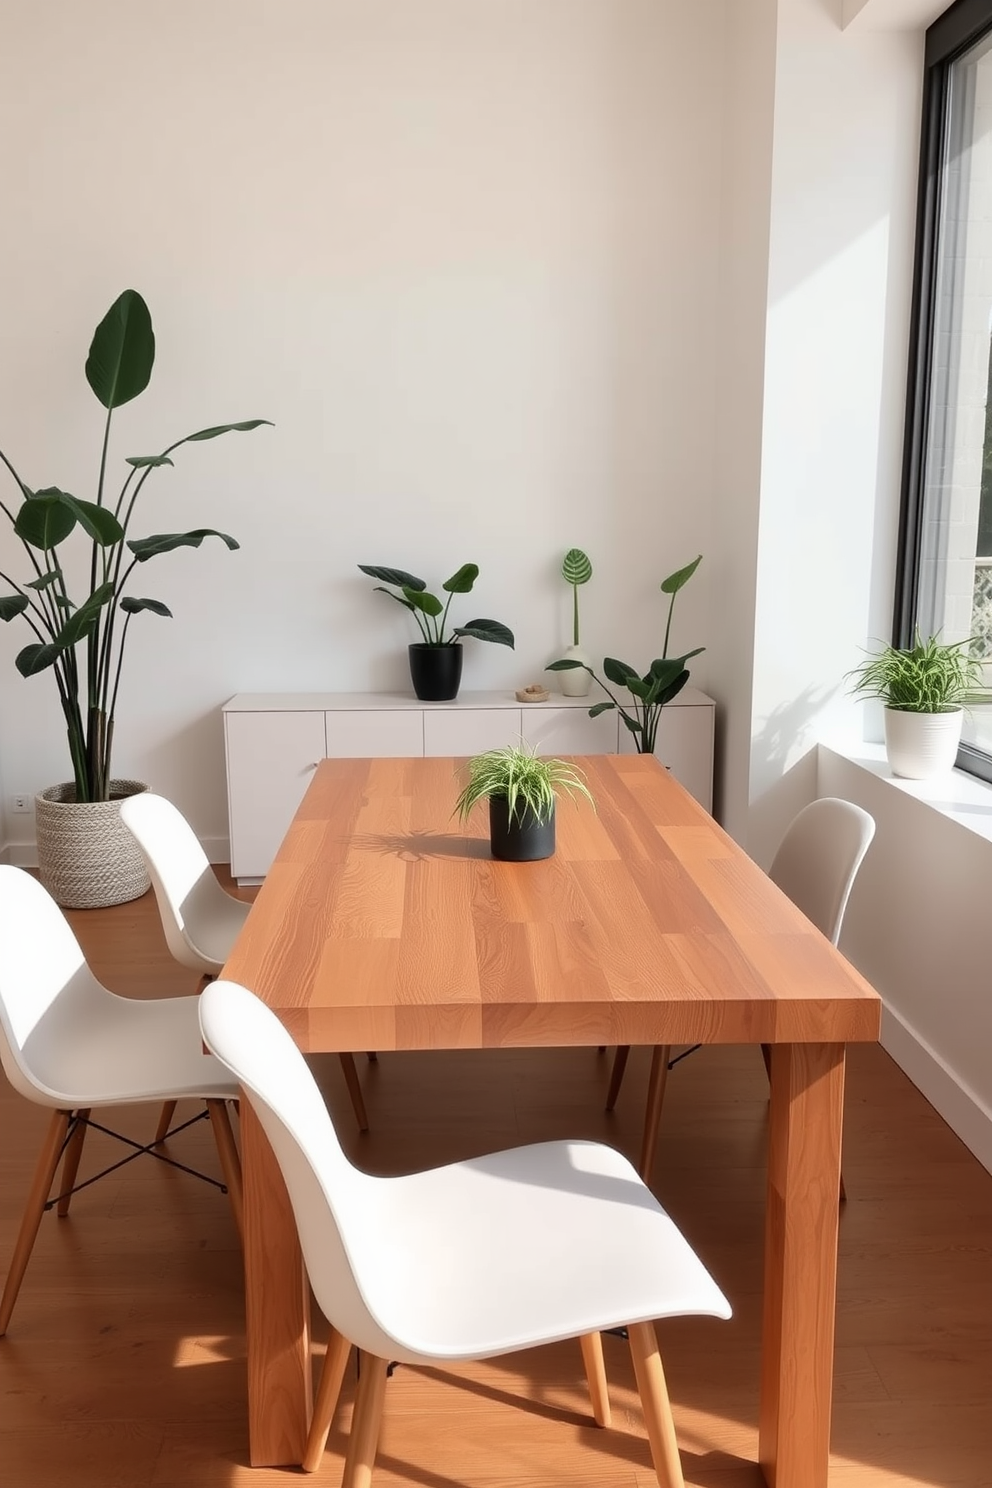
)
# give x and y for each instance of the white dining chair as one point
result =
(469, 1261)
(68, 1043)
(816, 864)
(201, 920)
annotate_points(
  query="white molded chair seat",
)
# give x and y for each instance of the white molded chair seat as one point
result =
(201, 920)
(68, 1043)
(816, 864)
(476, 1259)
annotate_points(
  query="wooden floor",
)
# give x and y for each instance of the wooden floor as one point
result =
(124, 1363)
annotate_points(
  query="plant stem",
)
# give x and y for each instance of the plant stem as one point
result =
(575, 614)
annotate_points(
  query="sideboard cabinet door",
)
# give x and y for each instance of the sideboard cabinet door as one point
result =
(569, 731)
(271, 758)
(467, 731)
(381, 733)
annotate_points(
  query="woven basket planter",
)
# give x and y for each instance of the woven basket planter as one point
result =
(87, 858)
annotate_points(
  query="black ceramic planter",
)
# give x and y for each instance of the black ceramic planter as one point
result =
(436, 671)
(522, 840)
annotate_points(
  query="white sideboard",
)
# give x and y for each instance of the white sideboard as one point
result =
(274, 741)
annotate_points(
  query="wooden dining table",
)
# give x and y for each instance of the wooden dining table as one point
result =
(383, 924)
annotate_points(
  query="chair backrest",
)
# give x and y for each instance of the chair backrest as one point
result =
(191, 903)
(338, 1209)
(819, 857)
(46, 988)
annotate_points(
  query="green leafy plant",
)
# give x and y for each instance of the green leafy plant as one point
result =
(430, 613)
(83, 644)
(931, 676)
(528, 782)
(575, 570)
(650, 691)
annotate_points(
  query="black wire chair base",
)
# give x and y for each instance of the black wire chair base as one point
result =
(684, 1055)
(149, 1148)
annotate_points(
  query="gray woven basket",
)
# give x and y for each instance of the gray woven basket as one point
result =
(87, 858)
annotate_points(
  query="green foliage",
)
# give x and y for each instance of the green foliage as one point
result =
(575, 570)
(651, 690)
(427, 609)
(528, 782)
(81, 643)
(932, 676)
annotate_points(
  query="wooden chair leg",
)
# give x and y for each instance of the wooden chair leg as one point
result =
(616, 1075)
(335, 1361)
(41, 1187)
(599, 1393)
(372, 1056)
(652, 1115)
(365, 1423)
(354, 1090)
(230, 1162)
(165, 1121)
(655, 1404)
(70, 1163)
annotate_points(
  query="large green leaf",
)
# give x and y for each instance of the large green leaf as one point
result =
(619, 672)
(144, 548)
(96, 521)
(576, 568)
(140, 461)
(46, 580)
(83, 620)
(419, 599)
(226, 429)
(462, 581)
(11, 605)
(681, 576)
(45, 520)
(131, 606)
(632, 725)
(487, 630)
(36, 657)
(598, 708)
(122, 352)
(564, 666)
(397, 576)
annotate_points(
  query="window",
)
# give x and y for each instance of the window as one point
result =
(946, 539)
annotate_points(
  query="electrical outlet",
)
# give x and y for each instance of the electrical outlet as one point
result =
(20, 803)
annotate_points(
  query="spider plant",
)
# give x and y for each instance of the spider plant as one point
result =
(528, 783)
(931, 676)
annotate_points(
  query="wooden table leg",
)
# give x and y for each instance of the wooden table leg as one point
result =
(805, 1119)
(277, 1308)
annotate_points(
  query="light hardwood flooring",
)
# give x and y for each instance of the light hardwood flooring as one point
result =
(124, 1363)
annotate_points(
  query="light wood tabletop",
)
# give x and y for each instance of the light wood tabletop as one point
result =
(383, 924)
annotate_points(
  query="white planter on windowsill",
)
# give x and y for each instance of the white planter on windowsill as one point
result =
(922, 745)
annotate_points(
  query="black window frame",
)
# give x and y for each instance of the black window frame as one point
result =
(952, 34)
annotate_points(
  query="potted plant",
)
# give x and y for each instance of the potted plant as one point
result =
(925, 689)
(576, 569)
(436, 661)
(86, 856)
(651, 690)
(521, 789)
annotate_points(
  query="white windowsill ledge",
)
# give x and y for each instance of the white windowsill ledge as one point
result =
(963, 798)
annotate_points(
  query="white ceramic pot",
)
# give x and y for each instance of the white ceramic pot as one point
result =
(920, 745)
(575, 682)
(87, 858)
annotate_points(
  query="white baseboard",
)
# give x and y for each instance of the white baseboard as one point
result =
(965, 1113)
(25, 854)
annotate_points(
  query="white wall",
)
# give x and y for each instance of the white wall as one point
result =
(846, 147)
(462, 254)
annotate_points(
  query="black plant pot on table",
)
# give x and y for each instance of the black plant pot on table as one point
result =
(524, 839)
(436, 671)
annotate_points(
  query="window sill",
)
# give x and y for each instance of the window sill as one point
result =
(962, 798)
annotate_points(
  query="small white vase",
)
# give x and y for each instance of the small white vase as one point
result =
(576, 681)
(921, 745)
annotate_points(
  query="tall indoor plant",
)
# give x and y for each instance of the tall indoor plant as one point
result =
(82, 641)
(650, 691)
